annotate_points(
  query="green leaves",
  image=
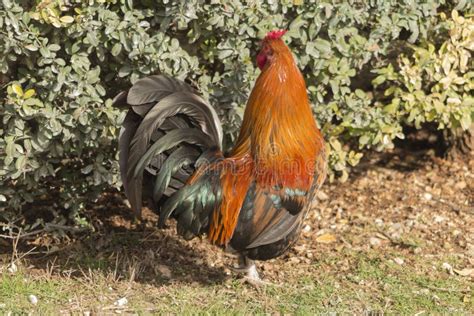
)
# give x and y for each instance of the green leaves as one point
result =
(29, 93)
(378, 80)
(64, 59)
(124, 71)
(324, 47)
(433, 86)
(116, 49)
(66, 19)
(17, 90)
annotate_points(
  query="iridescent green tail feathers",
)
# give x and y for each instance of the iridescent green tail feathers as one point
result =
(168, 127)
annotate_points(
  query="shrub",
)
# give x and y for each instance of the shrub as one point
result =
(62, 61)
(433, 84)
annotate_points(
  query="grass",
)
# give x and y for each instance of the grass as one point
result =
(401, 273)
(15, 290)
(370, 283)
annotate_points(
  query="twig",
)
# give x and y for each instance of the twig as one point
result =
(456, 208)
(22, 236)
(442, 289)
(49, 227)
(397, 242)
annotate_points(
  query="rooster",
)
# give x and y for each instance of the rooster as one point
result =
(252, 201)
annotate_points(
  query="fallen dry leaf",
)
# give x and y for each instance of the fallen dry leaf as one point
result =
(465, 272)
(326, 238)
(165, 271)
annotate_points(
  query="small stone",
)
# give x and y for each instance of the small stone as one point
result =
(398, 227)
(438, 219)
(398, 261)
(300, 248)
(379, 222)
(295, 260)
(461, 185)
(33, 299)
(375, 242)
(470, 251)
(427, 196)
(12, 268)
(307, 229)
(456, 232)
(447, 267)
(322, 196)
(121, 302)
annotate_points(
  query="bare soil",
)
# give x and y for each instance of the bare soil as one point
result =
(397, 237)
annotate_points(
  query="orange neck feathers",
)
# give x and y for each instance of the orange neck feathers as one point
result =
(278, 142)
(278, 130)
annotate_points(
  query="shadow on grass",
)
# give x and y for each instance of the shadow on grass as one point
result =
(123, 248)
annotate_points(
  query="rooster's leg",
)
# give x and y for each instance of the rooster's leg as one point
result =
(251, 268)
(247, 266)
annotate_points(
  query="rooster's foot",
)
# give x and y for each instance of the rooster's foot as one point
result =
(248, 267)
(254, 279)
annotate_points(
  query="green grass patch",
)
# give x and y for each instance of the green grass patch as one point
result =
(371, 284)
(15, 289)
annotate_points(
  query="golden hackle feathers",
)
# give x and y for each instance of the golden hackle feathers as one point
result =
(278, 141)
(279, 130)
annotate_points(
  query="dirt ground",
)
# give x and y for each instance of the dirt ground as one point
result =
(398, 237)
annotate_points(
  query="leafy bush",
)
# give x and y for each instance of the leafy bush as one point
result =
(433, 85)
(61, 62)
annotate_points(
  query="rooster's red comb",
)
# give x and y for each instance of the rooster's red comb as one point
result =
(276, 34)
